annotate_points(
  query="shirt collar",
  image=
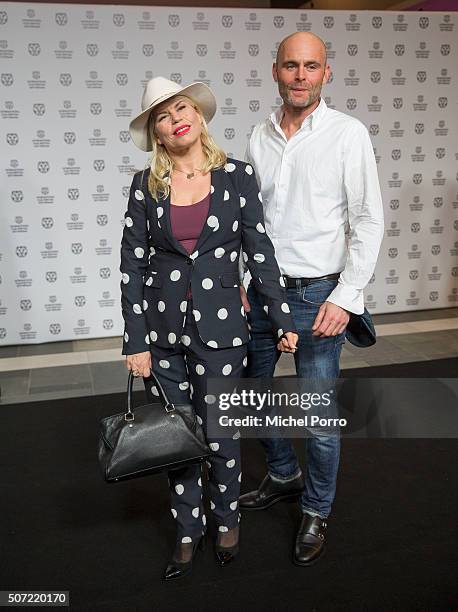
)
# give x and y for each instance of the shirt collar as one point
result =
(309, 123)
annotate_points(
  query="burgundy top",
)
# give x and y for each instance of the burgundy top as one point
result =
(187, 222)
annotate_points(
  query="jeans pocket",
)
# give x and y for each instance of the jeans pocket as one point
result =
(316, 293)
(304, 299)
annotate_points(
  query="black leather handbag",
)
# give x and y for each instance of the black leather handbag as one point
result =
(150, 438)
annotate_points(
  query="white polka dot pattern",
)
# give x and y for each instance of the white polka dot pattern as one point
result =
(222, 313)
(139, 252)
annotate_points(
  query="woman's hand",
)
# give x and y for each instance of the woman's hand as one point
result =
(140, 364)
(244, 299)
(288, 342)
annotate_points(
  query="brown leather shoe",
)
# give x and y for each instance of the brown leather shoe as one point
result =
(310, 540)
(271, 491)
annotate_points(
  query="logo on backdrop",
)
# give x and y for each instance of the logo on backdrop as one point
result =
(384, 42)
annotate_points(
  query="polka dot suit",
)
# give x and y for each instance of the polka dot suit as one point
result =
(192, 340)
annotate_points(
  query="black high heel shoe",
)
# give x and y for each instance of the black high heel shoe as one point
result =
(175, 569)
(226, 554)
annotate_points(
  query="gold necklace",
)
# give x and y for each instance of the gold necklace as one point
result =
(189, 175)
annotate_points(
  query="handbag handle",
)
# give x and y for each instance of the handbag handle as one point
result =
(129, 415)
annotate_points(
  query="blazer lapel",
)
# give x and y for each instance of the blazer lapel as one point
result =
(168, 226)
(216, 198)
(213, 218)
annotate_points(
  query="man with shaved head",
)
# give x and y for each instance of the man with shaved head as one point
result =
(323, 212)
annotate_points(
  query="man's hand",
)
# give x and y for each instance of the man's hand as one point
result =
(140, 364)
(331, 320)
(288, 342)
(244, 298)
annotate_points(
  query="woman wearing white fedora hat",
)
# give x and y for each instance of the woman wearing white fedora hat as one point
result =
(188, 216)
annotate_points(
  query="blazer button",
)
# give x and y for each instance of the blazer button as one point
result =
(190, 262)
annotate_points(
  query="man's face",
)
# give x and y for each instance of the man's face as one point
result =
(301, 71)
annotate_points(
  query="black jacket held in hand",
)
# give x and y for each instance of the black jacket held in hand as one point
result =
(157, 271)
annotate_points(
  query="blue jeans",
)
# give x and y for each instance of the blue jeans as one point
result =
(315, 358)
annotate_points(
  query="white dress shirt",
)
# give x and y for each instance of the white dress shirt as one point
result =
(321, 197)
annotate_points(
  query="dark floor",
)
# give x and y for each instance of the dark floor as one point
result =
(391, 539)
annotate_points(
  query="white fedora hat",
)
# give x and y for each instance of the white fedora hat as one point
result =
(158, 90)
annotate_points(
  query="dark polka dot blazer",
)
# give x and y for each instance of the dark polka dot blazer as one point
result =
(157, 271)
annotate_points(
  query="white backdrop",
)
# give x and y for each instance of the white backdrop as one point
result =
(72, 78)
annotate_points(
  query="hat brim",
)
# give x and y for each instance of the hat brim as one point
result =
(199, 92)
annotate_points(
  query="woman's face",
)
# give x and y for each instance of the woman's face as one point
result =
(177, 124)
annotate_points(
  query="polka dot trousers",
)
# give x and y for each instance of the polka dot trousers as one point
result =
(183, 372)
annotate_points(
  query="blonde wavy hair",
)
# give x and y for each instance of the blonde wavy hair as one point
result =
(161, 165)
